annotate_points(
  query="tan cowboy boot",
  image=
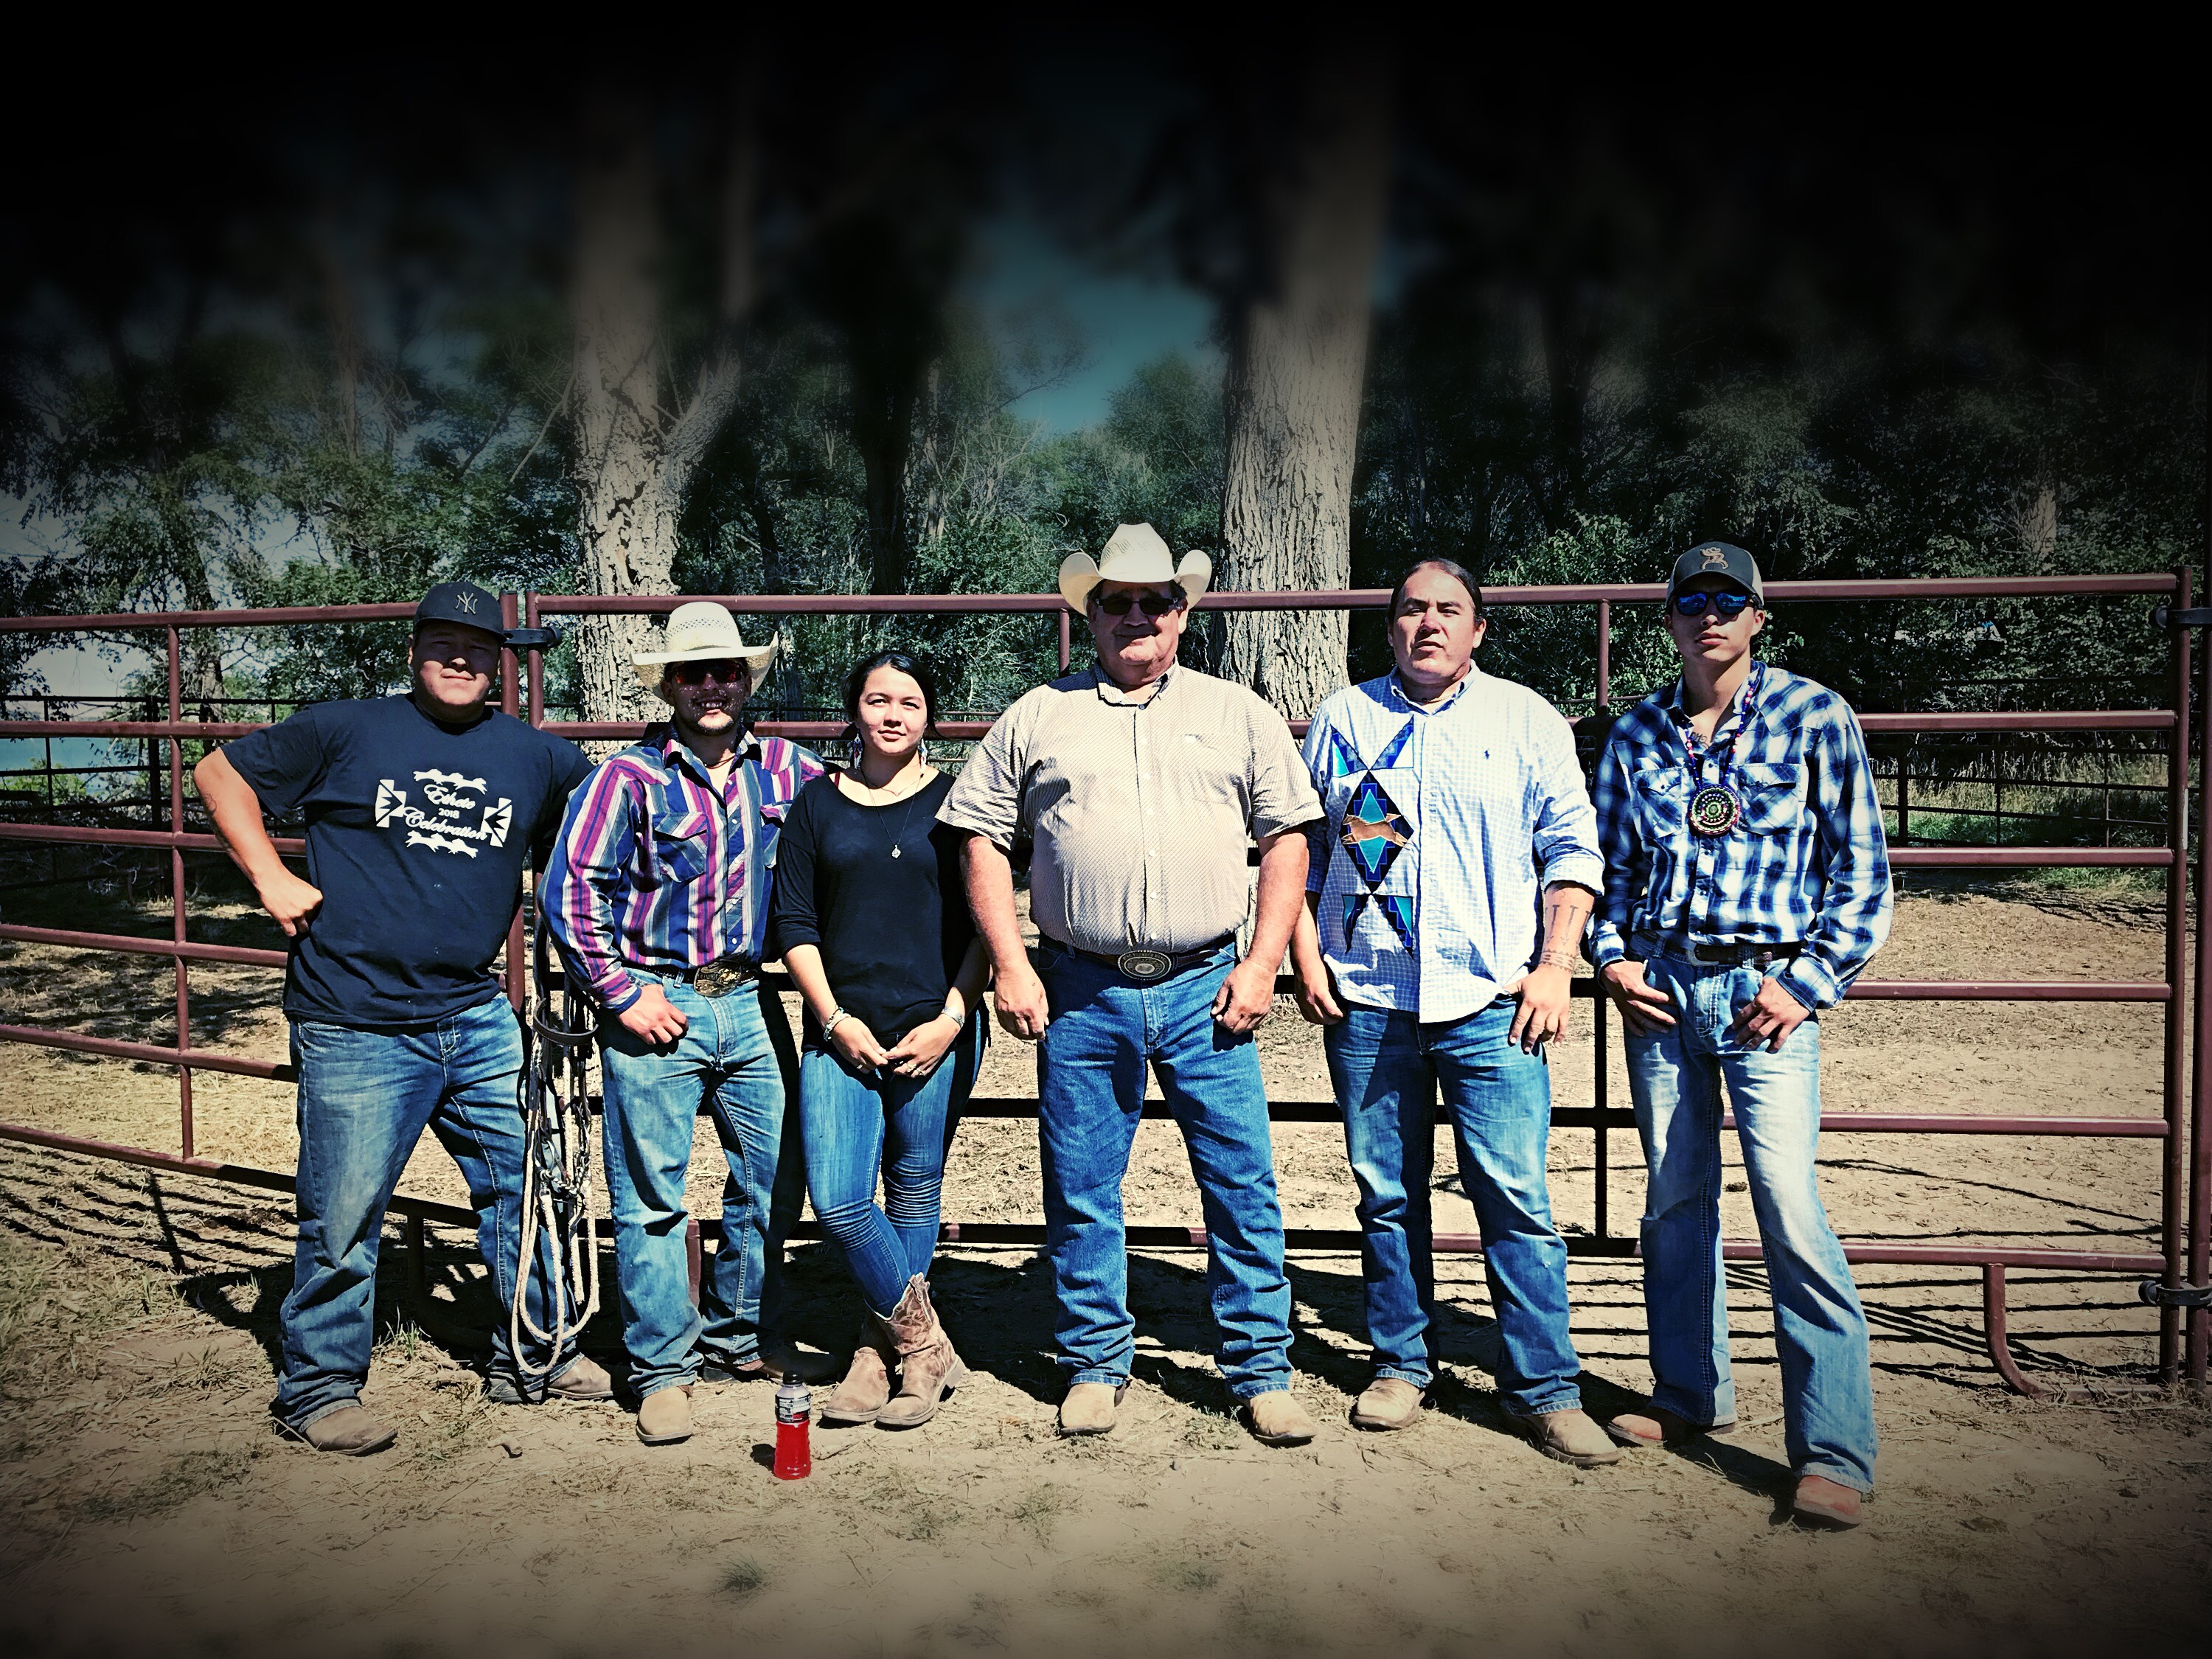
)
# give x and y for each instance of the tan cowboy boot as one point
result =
(1090, 1407)
(1277, 1419)
(861, 1397)
(1390, 1402)
(663, 1417)
(1568, 1437)
(350, 1431)
(1825, 1503)
(928, 1367)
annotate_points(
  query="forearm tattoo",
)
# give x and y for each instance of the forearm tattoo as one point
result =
(1565, 911)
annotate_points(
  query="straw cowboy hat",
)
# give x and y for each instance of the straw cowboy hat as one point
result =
(1134, 553)
(701, 631)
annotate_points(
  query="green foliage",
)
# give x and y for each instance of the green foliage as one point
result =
(1839, 461)
(28, 588)
(1554, 648)
(328, 440)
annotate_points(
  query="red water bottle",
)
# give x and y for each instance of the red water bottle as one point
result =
(793, 1408)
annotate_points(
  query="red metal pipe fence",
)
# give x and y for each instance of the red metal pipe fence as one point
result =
(2187, 1164)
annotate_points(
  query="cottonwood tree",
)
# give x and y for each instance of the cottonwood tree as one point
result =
(1296, 362)
(1275, 184)
(638, 435)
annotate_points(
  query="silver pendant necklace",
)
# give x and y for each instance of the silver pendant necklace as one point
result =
(905, 824)
(906, 821)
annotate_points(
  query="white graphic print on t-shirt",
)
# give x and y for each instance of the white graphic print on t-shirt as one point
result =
(450, 796)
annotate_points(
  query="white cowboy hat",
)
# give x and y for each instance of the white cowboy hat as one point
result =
(701, 631)
(1134, 553)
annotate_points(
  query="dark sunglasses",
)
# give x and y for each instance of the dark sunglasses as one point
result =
(1153, 605)
(1693, 604)
(698, 673)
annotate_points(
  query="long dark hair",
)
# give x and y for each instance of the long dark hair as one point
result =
(1450, 567)
(857, 682)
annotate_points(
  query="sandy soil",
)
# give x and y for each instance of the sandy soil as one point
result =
(155, 1513)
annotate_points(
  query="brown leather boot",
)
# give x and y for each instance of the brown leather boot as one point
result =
(928, 1367)
(348, 1431)
(663, 1417)
(861, 1397)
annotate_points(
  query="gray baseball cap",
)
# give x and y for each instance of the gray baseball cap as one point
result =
(1718, 559)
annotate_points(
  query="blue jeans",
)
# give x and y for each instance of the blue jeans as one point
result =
(857, 1123)
(365, 1098)
(1827, 1388)
(1387, 1066)
(726, 1063)
(1091, 1093)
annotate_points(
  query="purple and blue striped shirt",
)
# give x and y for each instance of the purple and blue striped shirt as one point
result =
(654, 869)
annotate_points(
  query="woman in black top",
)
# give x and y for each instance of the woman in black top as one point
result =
(873, 924)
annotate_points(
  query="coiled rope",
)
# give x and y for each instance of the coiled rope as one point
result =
(556, 1180)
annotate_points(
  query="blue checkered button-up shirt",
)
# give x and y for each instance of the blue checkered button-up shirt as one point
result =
(1807, 865)
(1443, 828)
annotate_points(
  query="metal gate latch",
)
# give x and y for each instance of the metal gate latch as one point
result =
(2176, 1295)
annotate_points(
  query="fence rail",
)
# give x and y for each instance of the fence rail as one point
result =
(2186, 1161)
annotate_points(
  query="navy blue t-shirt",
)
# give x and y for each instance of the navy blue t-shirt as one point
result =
(417, 834)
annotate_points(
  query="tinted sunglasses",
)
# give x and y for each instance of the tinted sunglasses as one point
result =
(1693, 604)
(1153, 605)
(698, 673)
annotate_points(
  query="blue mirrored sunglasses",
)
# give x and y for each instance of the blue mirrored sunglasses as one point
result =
(1729, 605)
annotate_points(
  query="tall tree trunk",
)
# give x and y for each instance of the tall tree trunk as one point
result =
(883, 431)
(1571, 334)
(1297, 360)
(633, 460)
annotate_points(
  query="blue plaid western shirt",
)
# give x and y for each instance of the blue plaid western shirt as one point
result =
(1807, 864)
(1442, 826)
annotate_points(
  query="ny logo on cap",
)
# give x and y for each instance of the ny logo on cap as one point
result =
(465, 600)
(1716, 558)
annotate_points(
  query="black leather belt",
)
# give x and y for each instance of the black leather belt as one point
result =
(1725, 955)
(1146, 966)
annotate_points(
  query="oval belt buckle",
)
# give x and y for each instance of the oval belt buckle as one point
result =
(1143, 964)
(716, 979)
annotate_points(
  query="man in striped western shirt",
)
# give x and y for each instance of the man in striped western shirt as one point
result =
(658, 890)
(1448, 887)
(1746, 885)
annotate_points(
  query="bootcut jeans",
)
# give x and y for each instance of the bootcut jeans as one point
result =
(1676, 1081)
(1105, 1029)
(857, 1123)
(365, 1098)
(1387, 1068)
(727, 1063)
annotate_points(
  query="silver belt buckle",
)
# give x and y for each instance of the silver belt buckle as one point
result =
(1145, 964)
(718, 979)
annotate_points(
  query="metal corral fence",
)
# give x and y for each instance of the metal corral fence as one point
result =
(2180, 1267)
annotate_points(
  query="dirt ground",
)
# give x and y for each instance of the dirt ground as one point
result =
(153, 1512)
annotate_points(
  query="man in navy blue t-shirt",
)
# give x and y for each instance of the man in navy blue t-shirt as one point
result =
(421, 812)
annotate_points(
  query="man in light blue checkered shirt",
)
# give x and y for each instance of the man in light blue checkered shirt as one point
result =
(1456, 813)
(1747, 884)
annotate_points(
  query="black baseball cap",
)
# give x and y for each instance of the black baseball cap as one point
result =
(1718, 559)
(464, 602)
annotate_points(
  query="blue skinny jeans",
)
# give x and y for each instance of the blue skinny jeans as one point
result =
(856, 1123)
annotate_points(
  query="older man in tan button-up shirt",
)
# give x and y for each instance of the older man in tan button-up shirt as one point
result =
(1141, 784)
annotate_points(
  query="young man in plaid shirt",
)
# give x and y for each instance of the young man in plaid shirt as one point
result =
(658, 890)
(1746, 885)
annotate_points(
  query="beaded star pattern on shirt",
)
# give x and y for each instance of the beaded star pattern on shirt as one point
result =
(1374, 833)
